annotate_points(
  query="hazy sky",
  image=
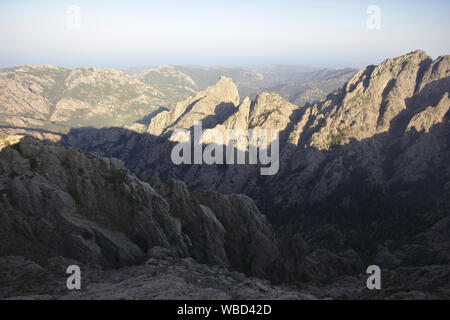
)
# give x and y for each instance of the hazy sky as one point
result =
(228, 33)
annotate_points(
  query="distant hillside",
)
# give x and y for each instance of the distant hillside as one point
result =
(56, 98)
(312, 86)
(297, 84)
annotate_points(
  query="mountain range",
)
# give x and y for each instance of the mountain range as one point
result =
(56, 99)
(364, 179)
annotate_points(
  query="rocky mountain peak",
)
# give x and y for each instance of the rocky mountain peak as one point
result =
(417, 54)
(224, 90)
(212, 106)
(384, 98)
(269, 110)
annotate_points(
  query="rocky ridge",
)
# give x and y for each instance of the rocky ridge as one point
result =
(387, 103)
(59, 201)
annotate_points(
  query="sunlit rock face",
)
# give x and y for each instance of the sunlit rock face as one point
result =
(381, 106)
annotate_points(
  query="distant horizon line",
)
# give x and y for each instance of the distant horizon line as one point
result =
(252, 67)
(205, 66)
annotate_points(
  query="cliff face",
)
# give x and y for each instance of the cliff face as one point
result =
(210, 106)
(60, 206)
(390, 97)
(63, 201)
(59, 201)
